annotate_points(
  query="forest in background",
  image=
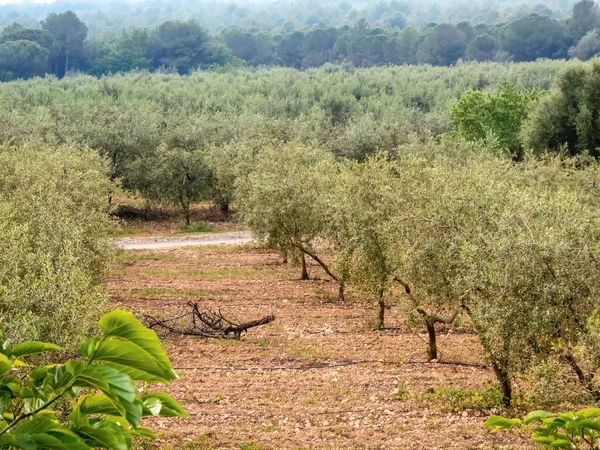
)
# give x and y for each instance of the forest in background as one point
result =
(381, 34)
(112, 17)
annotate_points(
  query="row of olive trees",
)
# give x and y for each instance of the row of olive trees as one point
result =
(162, 132)
(188, 159)
(512, 248)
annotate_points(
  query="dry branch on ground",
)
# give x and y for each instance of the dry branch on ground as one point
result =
(203, 323)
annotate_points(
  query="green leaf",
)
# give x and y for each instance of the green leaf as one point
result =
(59, 440)
(546, 440)
(5, 364)
(144, 432)
(561, 443)
(97, 404)
(590, 424)
(535, 415)
(588, 413)
(18, 441)
(32, 348)
(169, 407)
(37, 424)
(127, 353)
(498, 423)
(124, 325)
(117, 386)
(89, 346)
(151, 407)
(106, 435)
(138, 375)
(12, 384)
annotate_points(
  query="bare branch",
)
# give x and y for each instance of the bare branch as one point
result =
(203, 323)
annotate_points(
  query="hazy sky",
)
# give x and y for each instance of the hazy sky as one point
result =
(7, 2)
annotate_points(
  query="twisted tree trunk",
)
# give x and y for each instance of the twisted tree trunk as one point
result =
(314, 256)
(430, 321)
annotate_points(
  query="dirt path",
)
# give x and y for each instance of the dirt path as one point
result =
(238, 237)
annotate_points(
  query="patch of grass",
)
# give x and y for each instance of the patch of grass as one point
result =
(339, 432)
(263, 343)
(130, 231)
(196, 228)
(135, 256)
(450, 399)
(162, 272)
(310, 351)
(250, 446)
(433, 424)
(269, 428)
(213, 274)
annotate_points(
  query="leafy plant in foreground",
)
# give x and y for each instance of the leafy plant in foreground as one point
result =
(573, 430)
(105, 407)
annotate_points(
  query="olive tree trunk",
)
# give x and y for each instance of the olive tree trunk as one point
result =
(586, 379)
(430, 321)
(304, 270)
(504, 378)
(381, 311)
(315, 257)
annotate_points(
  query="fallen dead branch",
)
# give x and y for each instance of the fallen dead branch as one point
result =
(203, 323)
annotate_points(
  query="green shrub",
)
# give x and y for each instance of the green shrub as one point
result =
(479, 115)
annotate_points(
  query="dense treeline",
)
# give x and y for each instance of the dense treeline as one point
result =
(111, 18)
(61, 44)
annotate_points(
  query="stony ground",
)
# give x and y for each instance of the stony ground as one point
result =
(318, 377)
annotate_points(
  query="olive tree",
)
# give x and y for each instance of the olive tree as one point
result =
(359, 212)
(514, 247)
(230, 165)
(411, 248)
(54, 247)
(173, 176)
(282, 200)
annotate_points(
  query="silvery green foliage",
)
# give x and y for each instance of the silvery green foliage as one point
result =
(514, 246)
(54, 246)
